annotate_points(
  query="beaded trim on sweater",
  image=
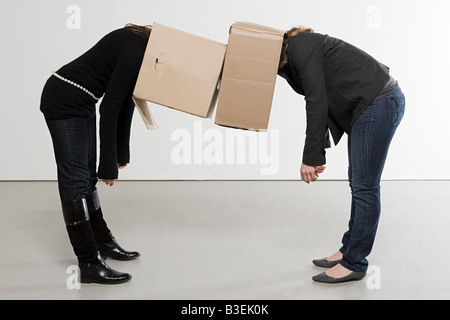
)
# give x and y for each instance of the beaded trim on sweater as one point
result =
(76, 85)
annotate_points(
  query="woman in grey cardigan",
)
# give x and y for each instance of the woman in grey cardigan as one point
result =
(346, 91)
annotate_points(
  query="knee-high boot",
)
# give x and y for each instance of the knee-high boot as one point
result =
(92, 266)
(107, 244)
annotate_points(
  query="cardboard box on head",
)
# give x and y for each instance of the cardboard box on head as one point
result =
(249, 76)
(180, 70)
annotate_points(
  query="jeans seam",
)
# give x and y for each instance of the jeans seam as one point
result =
(366, 179)
(71, 162)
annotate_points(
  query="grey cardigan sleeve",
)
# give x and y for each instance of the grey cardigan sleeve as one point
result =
(306, 58)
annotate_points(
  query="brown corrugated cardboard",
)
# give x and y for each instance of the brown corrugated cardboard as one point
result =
(145, 113)
(249, 76)
(180, 70)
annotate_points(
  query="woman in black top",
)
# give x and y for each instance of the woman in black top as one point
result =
(346, 91)
(109, 69)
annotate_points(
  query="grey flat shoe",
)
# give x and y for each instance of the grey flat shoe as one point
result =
(324, 263)
(324, 278)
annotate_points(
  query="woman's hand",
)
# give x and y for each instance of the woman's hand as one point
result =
(110, 182)
(309, 173)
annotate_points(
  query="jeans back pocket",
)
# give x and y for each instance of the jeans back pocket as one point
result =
(396, 109)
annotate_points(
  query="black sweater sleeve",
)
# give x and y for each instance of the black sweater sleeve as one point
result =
(124, 130)
(116, 98)
(308, 65)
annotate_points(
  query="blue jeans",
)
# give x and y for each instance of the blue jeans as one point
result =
(368, 145)
(75, 147)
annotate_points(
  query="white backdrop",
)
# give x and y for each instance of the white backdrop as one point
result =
(409, 36)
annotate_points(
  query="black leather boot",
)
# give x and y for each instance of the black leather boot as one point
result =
(100, 272)
(111, 249)
(92, 267)
(107, 244)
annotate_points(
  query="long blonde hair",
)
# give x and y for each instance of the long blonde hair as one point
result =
(287, 36)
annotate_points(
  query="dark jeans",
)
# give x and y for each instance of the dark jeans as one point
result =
(368, 146)
(75, 146)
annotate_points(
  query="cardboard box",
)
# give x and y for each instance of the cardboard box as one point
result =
(179, 70)
(249, 76)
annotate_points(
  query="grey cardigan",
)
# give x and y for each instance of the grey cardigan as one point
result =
(339, 82)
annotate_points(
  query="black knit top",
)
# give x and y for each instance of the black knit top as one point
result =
(109, 69)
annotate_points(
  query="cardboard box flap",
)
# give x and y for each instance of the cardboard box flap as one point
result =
(249, 27)
(145, 113)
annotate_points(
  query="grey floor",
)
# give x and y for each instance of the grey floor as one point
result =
(228, 240)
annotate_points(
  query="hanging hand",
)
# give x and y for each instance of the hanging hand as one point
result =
(310, 173)
(110, 182)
